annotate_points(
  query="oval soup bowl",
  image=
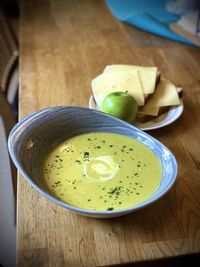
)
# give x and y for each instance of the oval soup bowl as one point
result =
(33, 138)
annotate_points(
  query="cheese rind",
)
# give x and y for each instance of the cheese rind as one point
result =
(107, 83)
(147, 75)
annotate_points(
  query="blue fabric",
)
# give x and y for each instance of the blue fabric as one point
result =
(148, 15)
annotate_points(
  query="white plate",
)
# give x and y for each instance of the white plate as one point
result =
(163, 120)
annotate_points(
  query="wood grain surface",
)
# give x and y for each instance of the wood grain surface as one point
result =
(64, 44)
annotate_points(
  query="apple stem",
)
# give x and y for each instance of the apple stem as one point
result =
(124, 93)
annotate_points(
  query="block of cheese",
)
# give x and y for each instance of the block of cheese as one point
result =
(151, 111)
(165, 95)
(107, 83)
(147, 75)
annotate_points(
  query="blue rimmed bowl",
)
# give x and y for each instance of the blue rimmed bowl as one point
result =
(35, 136)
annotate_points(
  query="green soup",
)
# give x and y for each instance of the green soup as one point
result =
(102, 171)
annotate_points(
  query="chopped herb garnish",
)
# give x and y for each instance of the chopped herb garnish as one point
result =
(109, 209)
(113, 190)
(86, 154)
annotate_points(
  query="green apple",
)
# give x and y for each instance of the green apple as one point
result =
(120, 105)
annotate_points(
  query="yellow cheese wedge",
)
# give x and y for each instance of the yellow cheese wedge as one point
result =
(152, 111)
(107, 83)
(147, 75)
(165, 95)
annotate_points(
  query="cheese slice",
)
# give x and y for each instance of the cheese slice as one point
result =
(107, 83)
(165, 95)
(147, 75)
(152, 111)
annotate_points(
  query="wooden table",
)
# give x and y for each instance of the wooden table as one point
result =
(64, 44)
